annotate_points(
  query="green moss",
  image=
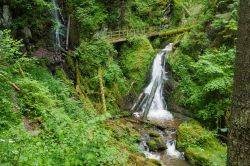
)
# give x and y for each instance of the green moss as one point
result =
(200, 145)
(153, 133)
(156, 144)
(136, 57)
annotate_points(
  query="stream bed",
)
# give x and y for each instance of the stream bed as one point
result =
(167, 132)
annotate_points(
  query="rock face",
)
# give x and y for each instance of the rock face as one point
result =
(157, 144)
(5, 19)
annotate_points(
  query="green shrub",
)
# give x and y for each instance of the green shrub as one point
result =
(34, 98)
(8, 111)
(43, 123)
(205, 85)
(200, 145)
(90, 15)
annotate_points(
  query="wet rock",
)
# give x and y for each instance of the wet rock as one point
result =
(27, 33)
(157, 144)
(153, 133)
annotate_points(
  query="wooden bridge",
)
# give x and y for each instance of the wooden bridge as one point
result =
(124, 34)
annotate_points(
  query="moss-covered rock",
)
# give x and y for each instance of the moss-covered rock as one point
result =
(153, 133)
(200, 145)
(136, 159)
(156, 144)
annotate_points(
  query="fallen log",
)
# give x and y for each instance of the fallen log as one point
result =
(138, 101)
(143, 101)
(174, 31)
(150, 99)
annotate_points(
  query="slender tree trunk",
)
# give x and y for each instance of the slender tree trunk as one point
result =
(239, 133)
(104, 107)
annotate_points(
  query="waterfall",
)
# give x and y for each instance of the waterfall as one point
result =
(158, 110)
(59, 25)
(152, 101)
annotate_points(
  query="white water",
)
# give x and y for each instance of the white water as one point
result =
(147, 153)
(157, 110)
(59, 25)
(171, 144)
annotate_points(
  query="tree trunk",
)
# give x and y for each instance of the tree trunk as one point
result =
(104, 107)
(239, 132)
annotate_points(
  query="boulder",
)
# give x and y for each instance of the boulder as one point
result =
(157, 144)
(6, 17)
(153, 133)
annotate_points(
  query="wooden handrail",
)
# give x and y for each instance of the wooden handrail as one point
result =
(122, 34)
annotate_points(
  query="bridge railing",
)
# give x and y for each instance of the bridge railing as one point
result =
(124, 33)
(131, 32)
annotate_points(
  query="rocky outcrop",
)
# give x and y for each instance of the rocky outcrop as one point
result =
(5, 18)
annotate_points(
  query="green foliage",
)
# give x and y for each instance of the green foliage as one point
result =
(225, 21)
(94, 15)
(145, 12)
(176, 15)
(94, 53)
(7, 115)
(34, 98)
(203, 65)
(44, 124)
(9, 48)
(67, 133)
(136, 57)
(9, 55)
(205, 86)
(23, 14)
(194, 43)
(90, 15)
(200, 145)
(90, 56)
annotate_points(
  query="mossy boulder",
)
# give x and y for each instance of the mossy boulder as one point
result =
(136, 159)
(136, 58)
(200, 145)
(156, 144)
(153, 133)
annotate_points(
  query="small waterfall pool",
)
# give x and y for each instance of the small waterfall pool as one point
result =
(158, 113)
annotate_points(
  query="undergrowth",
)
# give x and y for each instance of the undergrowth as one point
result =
(44, 123)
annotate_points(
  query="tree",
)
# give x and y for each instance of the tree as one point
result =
(239, 133)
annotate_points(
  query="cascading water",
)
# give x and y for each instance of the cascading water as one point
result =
(158, 112)
(157, 109)
(59, 25)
